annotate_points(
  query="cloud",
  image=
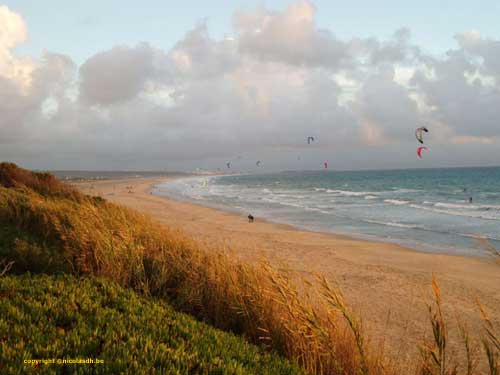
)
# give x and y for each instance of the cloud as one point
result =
(119, 74)
(488, 50)
(12, 32)
(12, 28)
(21, 106)
(290, 36)
(467, 140)
(469, 106)
(26, 84)
(398, 49)
(259, 92)
(198, 56)
(387, 107)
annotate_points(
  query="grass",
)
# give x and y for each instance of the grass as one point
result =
(435, 357)
(60, 317)
(47, 227)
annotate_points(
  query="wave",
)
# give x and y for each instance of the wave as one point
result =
(291, 204)
(388, 212)
(402, 190)
(455, 205)
(455, 213)
(479, 236)
(489, 207)
(466, 206)
(396, 202)
(393, 224)
(324, 206)
(348, 193)
(422, 228)
(314, 209)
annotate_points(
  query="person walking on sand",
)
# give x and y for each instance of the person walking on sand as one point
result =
(250, 218)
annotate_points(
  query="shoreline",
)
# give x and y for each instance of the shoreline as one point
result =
(385, 282)
(408, 245)
(343, 236)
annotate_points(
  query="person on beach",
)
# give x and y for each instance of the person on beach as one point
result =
(250, 218)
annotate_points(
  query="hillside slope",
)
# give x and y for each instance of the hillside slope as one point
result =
(61, 317)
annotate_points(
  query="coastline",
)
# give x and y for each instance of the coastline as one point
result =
(426, 223)
(387, 283)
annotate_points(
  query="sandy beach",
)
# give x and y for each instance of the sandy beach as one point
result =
(386, 283)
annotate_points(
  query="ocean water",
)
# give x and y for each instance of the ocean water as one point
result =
(107, 175)
(427, 209)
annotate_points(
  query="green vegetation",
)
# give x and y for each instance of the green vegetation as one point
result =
(45, 317)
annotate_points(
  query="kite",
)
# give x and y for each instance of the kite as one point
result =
(419, 151)
(419, 134)
(258, 163)
(309, 140)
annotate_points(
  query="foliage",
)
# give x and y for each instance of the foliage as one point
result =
(60, 317)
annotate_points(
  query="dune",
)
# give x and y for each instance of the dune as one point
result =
(387, 284)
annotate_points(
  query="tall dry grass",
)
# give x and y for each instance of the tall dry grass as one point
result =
(11, 176)
(435, 357)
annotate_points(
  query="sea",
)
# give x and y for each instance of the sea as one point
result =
(432, 210)
(114, 175)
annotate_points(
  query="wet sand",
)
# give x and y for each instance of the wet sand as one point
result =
(386, 283)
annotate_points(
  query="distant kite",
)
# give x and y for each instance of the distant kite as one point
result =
(419, 151)
(258, 163)
(419, 134)
(309, 140)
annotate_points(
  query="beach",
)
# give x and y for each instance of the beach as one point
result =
(386, 283)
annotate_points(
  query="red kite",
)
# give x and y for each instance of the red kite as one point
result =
(419, 151)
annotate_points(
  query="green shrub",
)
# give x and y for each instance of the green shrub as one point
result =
(60, 317)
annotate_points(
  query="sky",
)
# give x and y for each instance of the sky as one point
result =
(162, 85)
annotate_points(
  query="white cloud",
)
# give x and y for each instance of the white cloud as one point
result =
(13, 32)
(465, 140)
(262, 90)
(12, 28)
(197, 56)
(120, 74)
(290, 36)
